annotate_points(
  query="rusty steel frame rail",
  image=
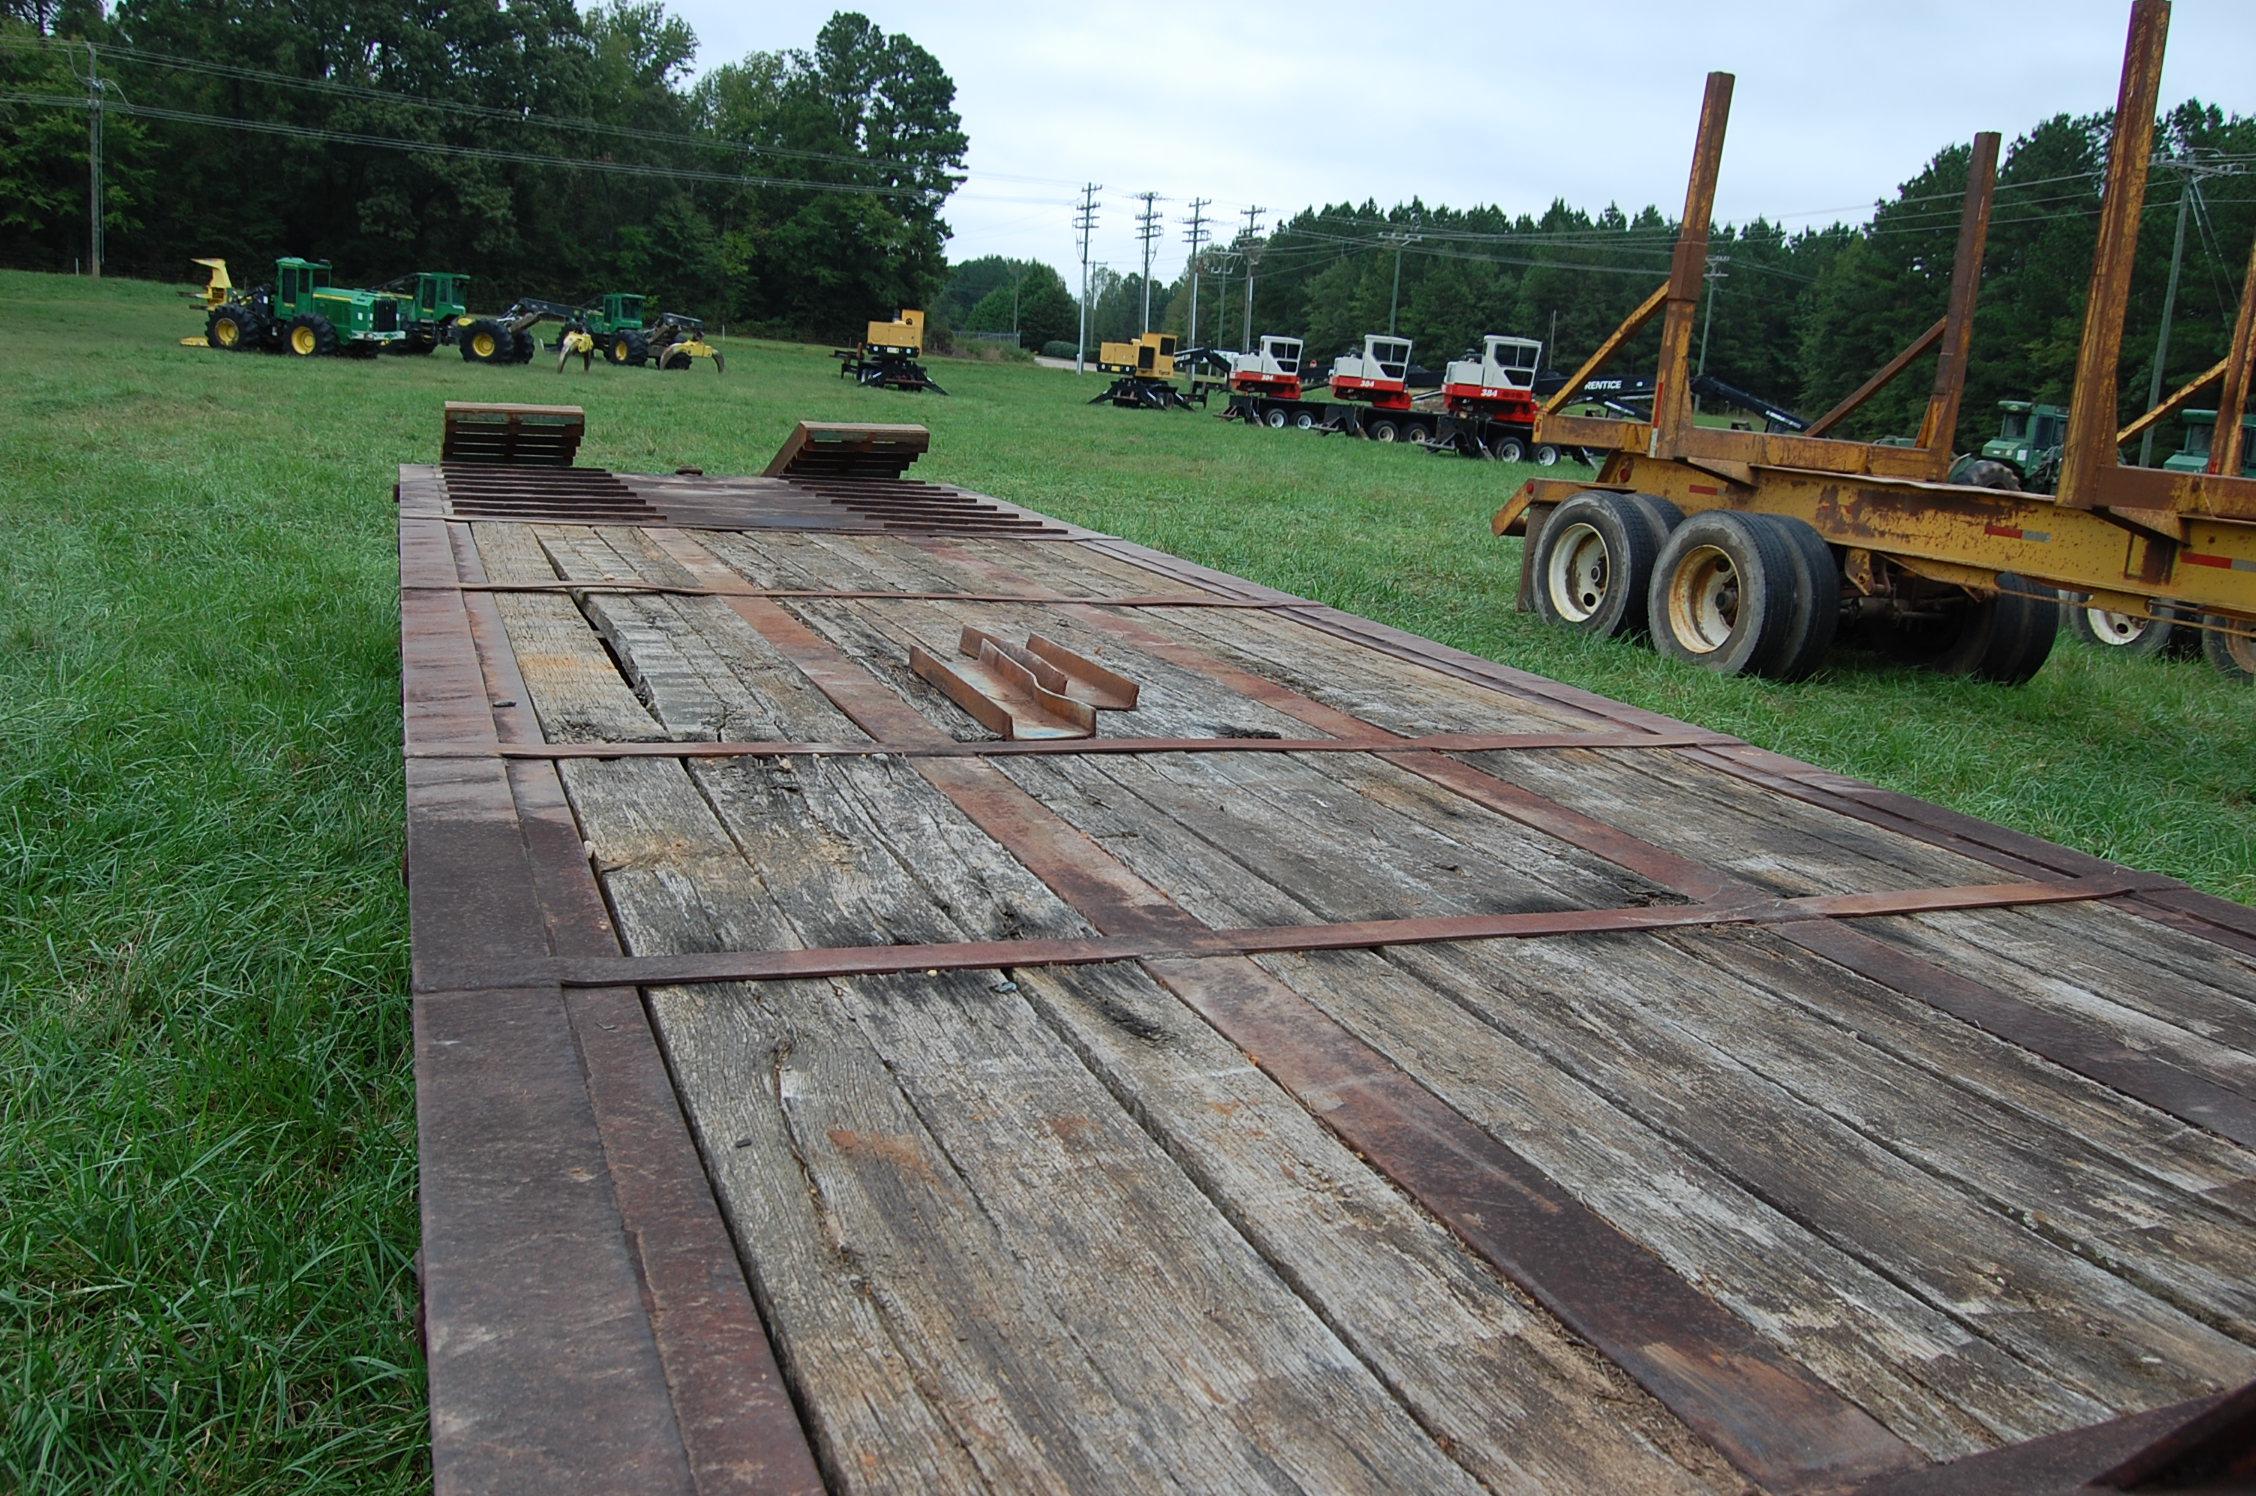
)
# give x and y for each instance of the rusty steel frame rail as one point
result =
(1755, 1404)
(596, 1330)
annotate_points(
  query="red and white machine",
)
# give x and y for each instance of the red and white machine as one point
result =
(1378, 376)
(1272, 370)
(1500, 384)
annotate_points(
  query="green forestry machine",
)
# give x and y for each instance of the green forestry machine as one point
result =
(301, 314)
(433, 306)
(612, 325)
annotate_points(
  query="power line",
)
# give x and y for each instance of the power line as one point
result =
(371, 92)
(472, 152)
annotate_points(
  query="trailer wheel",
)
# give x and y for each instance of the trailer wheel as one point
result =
(1382, 431)
(1593, 563)
(2227, 644)
(2121, 633)
(1304, 420)
(1274, 418)
(2003, 639)
(1508, 449)
(1546, 455)
(1418, 435)
(1723, 594)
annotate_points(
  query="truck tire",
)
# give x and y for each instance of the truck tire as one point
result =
(1817, 600)
(1304, 420)
(1508, 448)
(484, 342)
(309, 335)
(1274, 418)
(2003, 639)
(1546, 455)
(2122, 634)
(233, 328)
(1593, 563)
(1723, 594)
(2226, 644)
(1382, 431)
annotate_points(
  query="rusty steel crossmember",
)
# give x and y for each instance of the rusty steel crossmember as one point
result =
(520, 435)
(1189, 939)
(1447, 742)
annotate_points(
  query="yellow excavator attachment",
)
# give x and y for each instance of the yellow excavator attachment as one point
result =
(575, 341)
(214, 293)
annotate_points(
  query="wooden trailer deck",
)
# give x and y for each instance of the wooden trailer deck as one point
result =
(1358, 1066)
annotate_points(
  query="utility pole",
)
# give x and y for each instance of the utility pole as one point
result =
(1147, 229)
(1084, 219)
(1400, 240)
(1707, 323)
(1197, 237)
(1252, 243)
(2193, 171)
(93, 164)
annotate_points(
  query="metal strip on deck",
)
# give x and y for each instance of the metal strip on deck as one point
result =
(590, 1323)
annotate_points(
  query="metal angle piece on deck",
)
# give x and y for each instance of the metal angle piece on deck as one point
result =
(1106, 690)
(1004, 696)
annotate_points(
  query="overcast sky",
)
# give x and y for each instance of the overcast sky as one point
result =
(1288, 105)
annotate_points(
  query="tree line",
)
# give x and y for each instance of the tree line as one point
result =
(1802, 316)
(555, 152)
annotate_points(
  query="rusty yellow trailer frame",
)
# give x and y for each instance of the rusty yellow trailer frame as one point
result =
(2126, 536)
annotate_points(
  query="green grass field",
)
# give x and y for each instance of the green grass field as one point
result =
(207, 1221)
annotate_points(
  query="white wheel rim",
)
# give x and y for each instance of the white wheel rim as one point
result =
(1276, 420)
(1546, 456)
(1508, 451)
(1703, 600)
(1382, 434)
(1304, 420)
(1579, 572)
(2116, 629)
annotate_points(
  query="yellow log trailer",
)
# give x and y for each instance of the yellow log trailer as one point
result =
(1745, 551)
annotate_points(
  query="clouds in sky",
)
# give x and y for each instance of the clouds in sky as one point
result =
(1837, 101)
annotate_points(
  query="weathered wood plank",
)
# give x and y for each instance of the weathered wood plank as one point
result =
(1487, 1373)
(1005, 1217)
(2203, 1029)
(1782, 845)
(2027, 1293)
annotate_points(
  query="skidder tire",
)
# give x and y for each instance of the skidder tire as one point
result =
(2003, 639)
(309, 335)
(1722, 594)
(2227, 646)
(1593, 564)
(636, 351)
(233, 328)
(521, 347)
(2125, 635)
(485, 341)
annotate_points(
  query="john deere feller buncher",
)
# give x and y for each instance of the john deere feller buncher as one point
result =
(890, 356)
(301, 314)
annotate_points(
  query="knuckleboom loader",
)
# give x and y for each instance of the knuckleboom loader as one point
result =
(1486, 408)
